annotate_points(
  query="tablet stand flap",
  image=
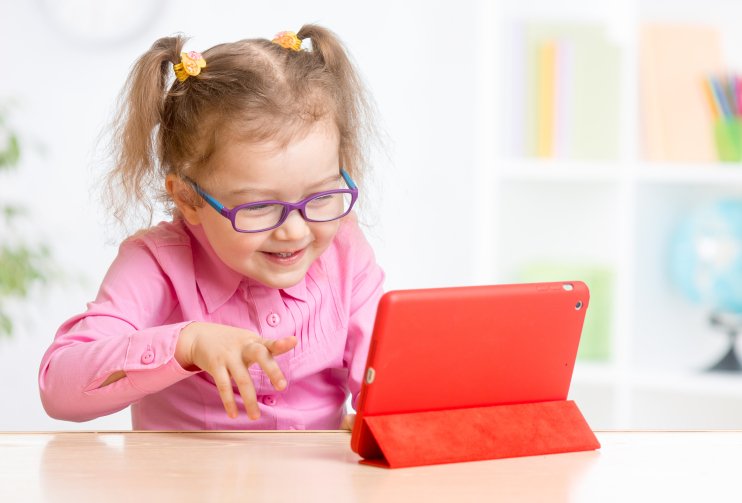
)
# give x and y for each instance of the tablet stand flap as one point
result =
(499, 431)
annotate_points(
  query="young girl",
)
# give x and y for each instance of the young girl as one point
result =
(261, 292)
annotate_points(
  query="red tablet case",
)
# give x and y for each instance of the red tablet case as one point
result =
(472, 373)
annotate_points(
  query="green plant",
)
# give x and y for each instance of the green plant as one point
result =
(22, 264)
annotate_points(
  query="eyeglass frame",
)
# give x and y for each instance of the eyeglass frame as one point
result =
(288, 207)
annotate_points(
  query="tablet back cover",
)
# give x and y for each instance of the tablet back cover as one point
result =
(447, 348)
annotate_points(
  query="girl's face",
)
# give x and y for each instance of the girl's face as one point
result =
(249, 173)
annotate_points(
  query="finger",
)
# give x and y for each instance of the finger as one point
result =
(279, 346)
(348, 422)
(224, 385)
(246, 387)
(261, 355)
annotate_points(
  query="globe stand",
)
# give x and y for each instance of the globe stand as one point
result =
(731, 325)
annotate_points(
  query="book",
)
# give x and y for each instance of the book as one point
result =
(677, 124)
(563, 99)
(582, 91)
(546, 79)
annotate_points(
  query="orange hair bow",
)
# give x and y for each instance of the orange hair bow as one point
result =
(190, 65)
(287, 40)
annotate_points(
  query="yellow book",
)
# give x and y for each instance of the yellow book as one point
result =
(546, 99)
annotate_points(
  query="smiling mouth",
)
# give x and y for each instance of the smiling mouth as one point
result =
(282, 255)
(285, 258)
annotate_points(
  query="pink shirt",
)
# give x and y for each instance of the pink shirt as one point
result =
(170, 277)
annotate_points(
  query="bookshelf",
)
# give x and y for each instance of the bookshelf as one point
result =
(639, 173)
(615, 213)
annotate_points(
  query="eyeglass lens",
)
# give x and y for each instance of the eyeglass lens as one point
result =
(323, 208)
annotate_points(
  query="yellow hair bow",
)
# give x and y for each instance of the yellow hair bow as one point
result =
(287, 40)
(190, 64)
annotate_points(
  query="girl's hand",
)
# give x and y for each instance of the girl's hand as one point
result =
(226, 352)
(348, 422)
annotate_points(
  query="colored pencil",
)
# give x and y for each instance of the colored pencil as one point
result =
(726, 112)
(728, 85)
(711, 98)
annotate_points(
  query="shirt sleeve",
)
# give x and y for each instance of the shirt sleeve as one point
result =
(366, 291)
(121, 330)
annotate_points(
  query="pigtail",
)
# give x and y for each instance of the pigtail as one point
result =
(328, 47)
(129, 183)
(362, 141)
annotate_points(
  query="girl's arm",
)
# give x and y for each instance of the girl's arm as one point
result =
(113, 337)
(106, 359)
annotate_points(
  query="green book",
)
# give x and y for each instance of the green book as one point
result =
(595, 343)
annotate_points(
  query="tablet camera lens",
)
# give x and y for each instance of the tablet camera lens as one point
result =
(578, 306)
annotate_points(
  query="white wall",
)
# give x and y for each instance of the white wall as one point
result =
(419, 58)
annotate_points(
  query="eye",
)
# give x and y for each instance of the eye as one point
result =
(326, 197)
(257, 207)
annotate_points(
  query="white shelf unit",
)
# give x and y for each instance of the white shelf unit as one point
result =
(618, 214)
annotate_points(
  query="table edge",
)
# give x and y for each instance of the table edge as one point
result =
(167, 431)
(200, 432)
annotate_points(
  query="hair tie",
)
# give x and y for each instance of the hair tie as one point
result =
(287, 40)
(190, 64)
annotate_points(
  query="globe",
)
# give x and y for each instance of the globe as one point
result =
(706, 256)
(706, 265)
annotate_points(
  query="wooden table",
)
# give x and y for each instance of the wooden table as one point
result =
(319, 466)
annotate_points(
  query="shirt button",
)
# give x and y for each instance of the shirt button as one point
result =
(269, 400)
(273, 319)
(148, 357)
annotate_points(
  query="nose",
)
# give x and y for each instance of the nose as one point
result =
(294, 228)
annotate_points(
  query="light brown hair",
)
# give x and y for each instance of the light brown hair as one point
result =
(251, 90)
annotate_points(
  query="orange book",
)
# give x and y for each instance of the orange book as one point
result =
(676, 120)
(546, 99)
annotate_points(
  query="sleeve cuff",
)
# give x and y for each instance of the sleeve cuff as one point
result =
(152, 381)
(150, 359)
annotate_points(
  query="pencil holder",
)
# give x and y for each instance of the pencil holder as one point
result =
(728, 137)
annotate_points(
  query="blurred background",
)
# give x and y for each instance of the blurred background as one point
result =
(578, 139)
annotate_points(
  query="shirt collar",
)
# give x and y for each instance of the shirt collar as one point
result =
(216, 280)
(299, 290)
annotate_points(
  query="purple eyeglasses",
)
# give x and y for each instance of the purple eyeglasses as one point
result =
(266, 215)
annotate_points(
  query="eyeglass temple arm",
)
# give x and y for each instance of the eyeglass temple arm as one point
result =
(212, 202)
(348, 180)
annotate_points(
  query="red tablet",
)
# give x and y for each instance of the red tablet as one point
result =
(450, 348)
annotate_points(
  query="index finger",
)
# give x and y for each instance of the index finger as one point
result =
(279, 346)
